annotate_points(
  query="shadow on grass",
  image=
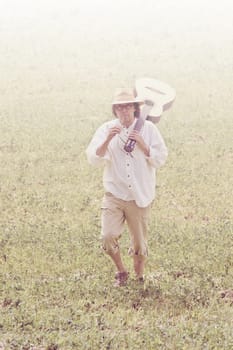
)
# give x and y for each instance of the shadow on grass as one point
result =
(174, 294)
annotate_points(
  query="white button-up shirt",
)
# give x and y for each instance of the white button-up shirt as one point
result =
(129, 176)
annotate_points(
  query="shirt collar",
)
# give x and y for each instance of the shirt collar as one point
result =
(131, 127)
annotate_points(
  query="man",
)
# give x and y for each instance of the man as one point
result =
(128, 179)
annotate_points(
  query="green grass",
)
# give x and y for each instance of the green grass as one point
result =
(56, 285)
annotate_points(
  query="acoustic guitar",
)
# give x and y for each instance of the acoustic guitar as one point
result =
(158, 97)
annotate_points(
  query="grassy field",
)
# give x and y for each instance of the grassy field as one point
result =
(59, 68)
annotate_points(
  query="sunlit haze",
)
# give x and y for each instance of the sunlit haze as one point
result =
(92, 39)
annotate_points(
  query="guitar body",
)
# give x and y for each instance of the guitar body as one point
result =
(161, 94)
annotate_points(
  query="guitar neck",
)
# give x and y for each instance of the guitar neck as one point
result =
(143, 115)
(129, 146)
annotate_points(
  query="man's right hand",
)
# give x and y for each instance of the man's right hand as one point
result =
(112, 132)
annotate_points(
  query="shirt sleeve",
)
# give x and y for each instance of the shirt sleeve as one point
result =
(97, 140)
(158, 149)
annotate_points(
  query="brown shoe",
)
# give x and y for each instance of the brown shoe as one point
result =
(121, 278)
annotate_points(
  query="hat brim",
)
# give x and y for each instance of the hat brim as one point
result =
(136, 100)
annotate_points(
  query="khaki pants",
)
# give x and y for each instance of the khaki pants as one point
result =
(115, 212)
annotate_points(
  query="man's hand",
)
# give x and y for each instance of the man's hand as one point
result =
(135, 135)
(112, 132)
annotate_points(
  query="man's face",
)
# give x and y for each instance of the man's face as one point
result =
(125, 113)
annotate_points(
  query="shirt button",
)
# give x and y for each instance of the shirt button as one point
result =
(130, 186)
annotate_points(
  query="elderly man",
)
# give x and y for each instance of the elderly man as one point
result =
(129, 180)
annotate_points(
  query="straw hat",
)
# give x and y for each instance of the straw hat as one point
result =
(123, 95)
